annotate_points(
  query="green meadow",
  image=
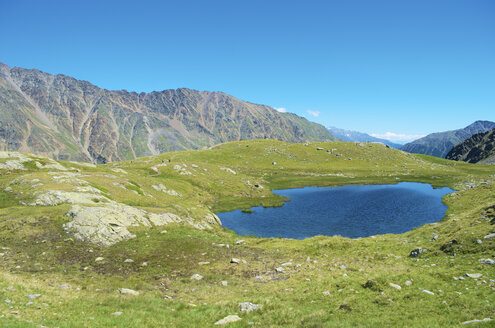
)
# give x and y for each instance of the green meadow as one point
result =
(316, 282)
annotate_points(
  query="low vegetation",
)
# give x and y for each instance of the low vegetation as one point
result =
(193, 272)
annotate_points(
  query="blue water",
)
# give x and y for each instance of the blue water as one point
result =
(350, 211)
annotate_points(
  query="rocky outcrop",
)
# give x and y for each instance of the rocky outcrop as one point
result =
(68, 119)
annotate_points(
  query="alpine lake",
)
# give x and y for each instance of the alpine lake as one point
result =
(352, 211)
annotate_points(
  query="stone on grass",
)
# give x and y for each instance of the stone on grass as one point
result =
(476, 321)
(117, 313)
(234, 260)
(427, 292)
(196, 276)
(128, 260)
(248, 307)
(489, 236)
(98, 259)
(279, 270)
(415, 252)
(395, 286)
(224, 283)
(487, 261)
(474, 275)
(64, 286)
(228, 319)
(408, 283)
(326, 293)
(127, 291)
(33, 296)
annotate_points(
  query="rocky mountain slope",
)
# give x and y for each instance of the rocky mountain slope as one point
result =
(69, 119)
(439, 144)
(479, 148)
(348, 135)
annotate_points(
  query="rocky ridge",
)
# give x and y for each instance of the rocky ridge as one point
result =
(479, 148)
(68, 119)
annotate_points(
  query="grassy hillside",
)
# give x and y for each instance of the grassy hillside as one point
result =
(325, 282)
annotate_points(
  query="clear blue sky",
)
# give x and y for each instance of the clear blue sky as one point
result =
(407, 67)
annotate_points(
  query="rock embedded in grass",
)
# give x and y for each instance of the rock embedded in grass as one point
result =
(228, 319)
(127, 291)
(248, 307)
(196, 276)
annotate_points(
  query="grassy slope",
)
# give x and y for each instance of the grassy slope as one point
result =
(40, 256)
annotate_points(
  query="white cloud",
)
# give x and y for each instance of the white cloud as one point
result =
(313, 113)
(398, 137)
(281, 110)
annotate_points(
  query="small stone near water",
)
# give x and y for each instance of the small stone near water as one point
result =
(248, 307)
(228, 319)
(395, 286)
(127, 291)
(476, 321)
(98, 259)
(474, 275)
(33, 296)
(196, 276)
(117, 313)
(234, 260)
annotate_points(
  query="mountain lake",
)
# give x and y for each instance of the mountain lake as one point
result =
(350, 211)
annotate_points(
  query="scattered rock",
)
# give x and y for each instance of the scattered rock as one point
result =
(279, 270)
(395, 286)
(128, 260)
(248, 307)
(224, 283)
(196, 276)
(286, 263)
(33, 296)
(203, 263)
(163, 231)
(117, 313)
(234, 260)
(427, 292)
(99, 259)
(476, 321)
(415, 252)
(228, 319)
(240, 242)
(487, 261)
(326, 293)
(408, 283)
(127, 291)
(489, 236)
(434, 238)
(474, 275)
(65, 286)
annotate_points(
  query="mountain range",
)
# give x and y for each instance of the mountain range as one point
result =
(479, 148)
(348, 135)
(69, 119)
(440, 143)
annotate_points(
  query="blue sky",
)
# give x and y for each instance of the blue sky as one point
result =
(402, 67)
